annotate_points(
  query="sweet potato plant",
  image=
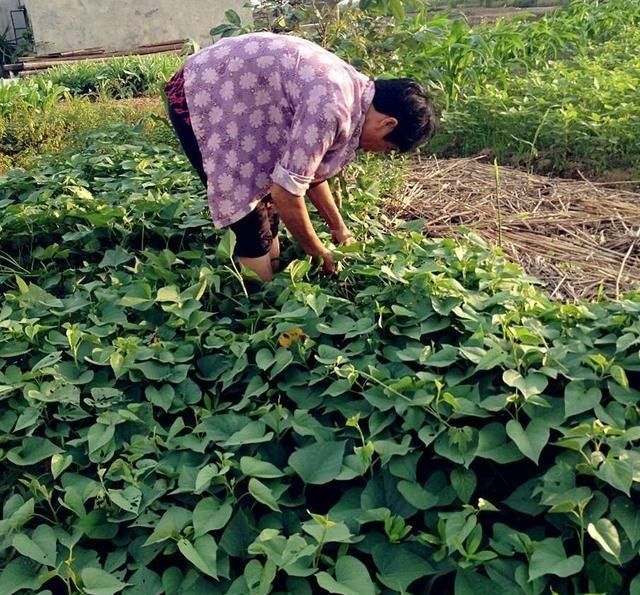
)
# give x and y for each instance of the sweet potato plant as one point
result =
(428, 422)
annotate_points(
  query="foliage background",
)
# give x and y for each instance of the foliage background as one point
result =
(428, 422)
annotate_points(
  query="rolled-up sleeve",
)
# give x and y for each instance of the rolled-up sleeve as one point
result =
(310, 139)
(290, 181)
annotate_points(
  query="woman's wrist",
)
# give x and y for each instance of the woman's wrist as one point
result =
(340, 234)
(318, 252)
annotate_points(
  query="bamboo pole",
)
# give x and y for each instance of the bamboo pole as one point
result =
(25, 69)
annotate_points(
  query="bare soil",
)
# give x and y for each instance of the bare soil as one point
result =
(489, 15)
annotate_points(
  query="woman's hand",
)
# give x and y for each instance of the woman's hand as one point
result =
(342, 236)
(329, 266)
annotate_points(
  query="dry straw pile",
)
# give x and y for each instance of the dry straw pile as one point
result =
(581, 239)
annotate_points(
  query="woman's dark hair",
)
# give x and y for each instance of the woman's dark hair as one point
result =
(409, 103)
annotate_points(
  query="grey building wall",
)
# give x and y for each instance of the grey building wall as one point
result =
(5, 16)
(60, 25)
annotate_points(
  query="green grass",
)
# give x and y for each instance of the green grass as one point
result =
(39, 117)
(548, 93)
(553, 95)
(582, 111)
(47, 113)
(116, 78)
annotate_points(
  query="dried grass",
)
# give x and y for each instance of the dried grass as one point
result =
(581, 239)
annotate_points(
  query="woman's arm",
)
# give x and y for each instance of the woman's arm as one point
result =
(323, 200)
(295, 217)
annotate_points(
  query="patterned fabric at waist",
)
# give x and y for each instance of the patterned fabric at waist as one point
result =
(175, 95)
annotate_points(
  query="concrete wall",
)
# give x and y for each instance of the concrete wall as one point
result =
(5, 17)
(60, 25)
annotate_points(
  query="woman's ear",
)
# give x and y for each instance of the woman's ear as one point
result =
(389, 123)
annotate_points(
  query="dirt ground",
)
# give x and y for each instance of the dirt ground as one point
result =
(144, 104)
(488, 15)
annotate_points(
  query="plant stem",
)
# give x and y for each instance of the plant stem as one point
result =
(496, 173)
(385, 386)
(238, 276)
(316, 558)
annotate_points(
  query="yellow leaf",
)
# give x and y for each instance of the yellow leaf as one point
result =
(288, 338)
(285, 340)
